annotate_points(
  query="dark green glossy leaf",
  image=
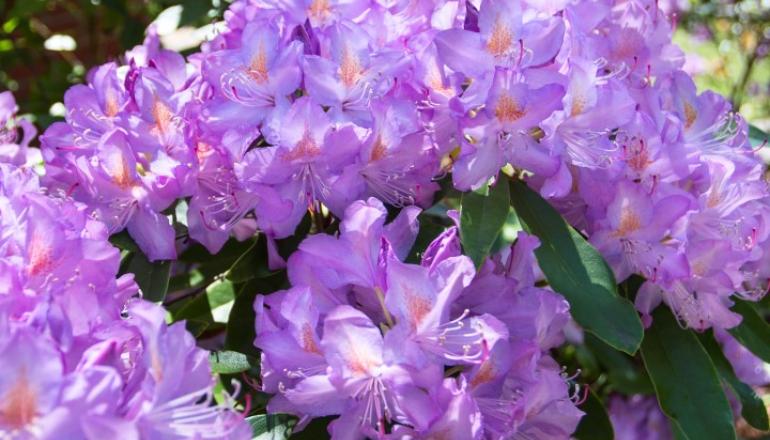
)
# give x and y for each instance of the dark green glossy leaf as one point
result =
(589, 366)
(623, 373)
(251, 264)
(576, 270)
(508, 233)
(189, 279)
(124, 242)
(271, 426)
(287, 246)
(753, 332)
(213, 265)
(196, 327)
(678, 433)
(202, 307)
(595, 425)
(315, 430)
(685, 380)
(481, 219)
(230, 251)
(152, 277)
(240, 324)
(752, 407)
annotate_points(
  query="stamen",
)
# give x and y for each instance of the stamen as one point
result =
(460, 340)
(239, 86)
(390, 185)
(585, 150)
(379, 404)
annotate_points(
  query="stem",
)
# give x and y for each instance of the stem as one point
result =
(381, 298)
(739, 90)
(317, 217)
(454, 370)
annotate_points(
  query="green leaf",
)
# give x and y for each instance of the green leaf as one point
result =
(624, 375)
(271, 426)
(231, 250)
(189, 279)
(595, 425)
(508, 232)
(678, 433)
(230, 362)
(251, 264)
(240, 324)
(213, 265)
(316, 429)
(124, 242)
(152, 277)
(757, 137)
(752, 407)
(576, 270)
(212, 305)
(481, 219)
(589, 366)
(287, 246)
(753, 332)
(685, 380)
(196, 327)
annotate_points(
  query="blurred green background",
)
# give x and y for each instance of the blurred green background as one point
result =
(48, 45)
(45, 46)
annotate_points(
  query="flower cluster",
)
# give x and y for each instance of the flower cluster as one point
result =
(342, 107)
(82, 355)
(414, 350)
(123, 150)
(299, 104)
(591, 99)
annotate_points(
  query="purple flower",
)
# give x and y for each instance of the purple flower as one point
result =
(512, 108)
(638, 417)
(123, 149)
(504, 40)
(220, 202)
(253, 80)
(114, 183)
(395, 163)
(86, 359)
(319, 13)
(632, 219)
(350, 73)
(304, 164)
(420, 302)
(366, 242)
(748, 367)
(368, 370)
(314, 105)
(12, 148)
(400, 349)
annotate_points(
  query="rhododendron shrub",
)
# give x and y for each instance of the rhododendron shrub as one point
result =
(467, 219)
